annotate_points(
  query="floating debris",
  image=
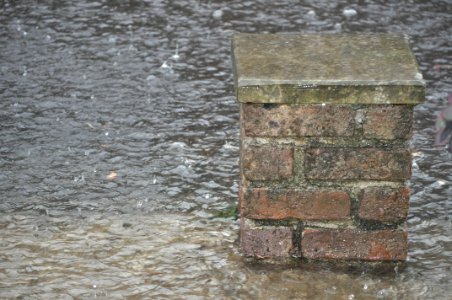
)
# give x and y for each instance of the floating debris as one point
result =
(112, 175)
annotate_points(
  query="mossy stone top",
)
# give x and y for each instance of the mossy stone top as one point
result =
(326, 68)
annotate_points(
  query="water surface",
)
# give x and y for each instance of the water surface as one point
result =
(119, 138)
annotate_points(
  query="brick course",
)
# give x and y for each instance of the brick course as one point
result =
(388, 122)
(354, 244)
(384, 204)
(266, 241)
(264, 203)
(267, 163)
(297, 120)
(339, 164)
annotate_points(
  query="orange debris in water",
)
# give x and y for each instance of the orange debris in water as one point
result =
(112, 175)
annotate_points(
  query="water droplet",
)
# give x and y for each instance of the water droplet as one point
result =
(176, 55)
(165, 65)
(217, 14)
(349, 12)
(365, 287)
(381, 294)
(107, 133)
(139, 203)
(441, 182)
(311, 13)
(351, 297)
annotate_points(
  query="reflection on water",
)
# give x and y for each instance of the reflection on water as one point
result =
(119, 136)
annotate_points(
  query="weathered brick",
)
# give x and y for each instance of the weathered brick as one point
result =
(354, 244)
(357, 163)
(267, 163)
(267, 120)
(264, 203)
(266, 241)
(388, 122)
(384, 204)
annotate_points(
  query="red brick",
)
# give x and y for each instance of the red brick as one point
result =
(267, 241)
(357, 163)
(388, 122)
(267, 163)
(384, 204)
(262, 203)
(354, 244)
(297, 120)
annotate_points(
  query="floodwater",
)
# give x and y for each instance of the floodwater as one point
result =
(119, 140)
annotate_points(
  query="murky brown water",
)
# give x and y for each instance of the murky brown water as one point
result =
(119, 137)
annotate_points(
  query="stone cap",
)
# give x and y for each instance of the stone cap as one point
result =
(300, 68)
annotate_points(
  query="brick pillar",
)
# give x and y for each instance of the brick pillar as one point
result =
(325, 123)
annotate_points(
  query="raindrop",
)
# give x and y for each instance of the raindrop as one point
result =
(165, 65)
(176, 55)
(112, 39)
(139, 203)
(217, 14)
(349, 12)
(311, 13)
(381, 294)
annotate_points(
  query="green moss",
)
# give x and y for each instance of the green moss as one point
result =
(231, 212)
